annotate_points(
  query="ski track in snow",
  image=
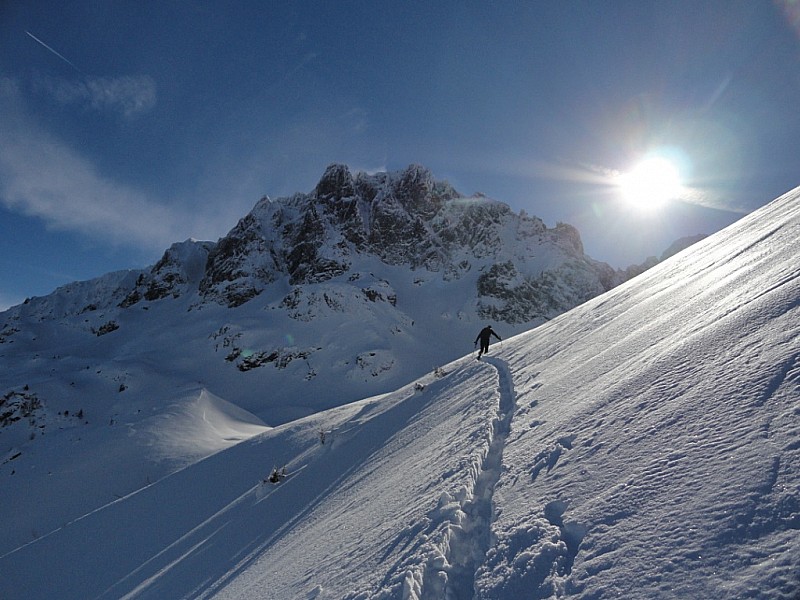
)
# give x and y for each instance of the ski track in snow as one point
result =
(470, 535)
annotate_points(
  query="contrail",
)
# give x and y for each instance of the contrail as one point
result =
(56, 53)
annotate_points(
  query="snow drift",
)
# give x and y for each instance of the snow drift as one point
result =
(644, 445)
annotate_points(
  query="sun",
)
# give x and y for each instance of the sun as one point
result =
(651, 183)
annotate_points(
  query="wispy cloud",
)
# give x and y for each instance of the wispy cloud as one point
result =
(40, 176)
(128, 95)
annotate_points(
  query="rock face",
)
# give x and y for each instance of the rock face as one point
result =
(405, 219)
(181, 266)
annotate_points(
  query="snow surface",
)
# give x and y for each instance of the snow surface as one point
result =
(644, 445)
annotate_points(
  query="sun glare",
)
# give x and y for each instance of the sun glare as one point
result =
(651, 183)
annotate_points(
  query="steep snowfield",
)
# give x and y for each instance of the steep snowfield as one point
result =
(644, 445)
(656, 447)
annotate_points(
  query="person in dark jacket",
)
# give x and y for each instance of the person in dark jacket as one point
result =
(483, 338)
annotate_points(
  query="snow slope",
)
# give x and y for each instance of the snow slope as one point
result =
(644, 445)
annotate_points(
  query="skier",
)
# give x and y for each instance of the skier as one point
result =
(483, 337)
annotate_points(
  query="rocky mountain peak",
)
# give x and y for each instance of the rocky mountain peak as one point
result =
(401, 218)
(336, 183)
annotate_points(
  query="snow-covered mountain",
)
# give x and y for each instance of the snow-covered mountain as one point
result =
(309, 302)
(643, 445)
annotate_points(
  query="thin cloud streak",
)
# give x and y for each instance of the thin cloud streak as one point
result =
(61, 56)
(128, 95)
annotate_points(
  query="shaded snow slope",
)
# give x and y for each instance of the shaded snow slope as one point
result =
(644, 445)
(217, 523)
(82, 467)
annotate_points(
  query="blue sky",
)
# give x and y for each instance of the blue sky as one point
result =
(126, 126)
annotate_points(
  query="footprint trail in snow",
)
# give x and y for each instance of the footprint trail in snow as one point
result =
(470, 538)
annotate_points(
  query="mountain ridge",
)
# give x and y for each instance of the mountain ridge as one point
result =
(404, 217)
